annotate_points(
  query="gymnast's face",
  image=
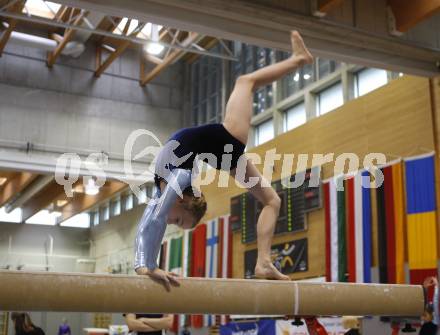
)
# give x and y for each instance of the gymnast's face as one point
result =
(180, 216)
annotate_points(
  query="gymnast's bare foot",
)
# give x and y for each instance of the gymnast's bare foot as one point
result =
(300, 52)
(268, 271)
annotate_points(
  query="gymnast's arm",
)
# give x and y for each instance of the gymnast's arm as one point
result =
(153, 224)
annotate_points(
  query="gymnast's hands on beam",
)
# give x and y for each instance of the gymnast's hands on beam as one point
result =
(167, 279)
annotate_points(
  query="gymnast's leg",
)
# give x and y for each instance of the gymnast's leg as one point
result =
(237, 122)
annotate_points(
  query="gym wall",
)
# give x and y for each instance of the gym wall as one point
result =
(396, 120)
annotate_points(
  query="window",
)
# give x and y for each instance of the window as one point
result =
(14, 216)
(94, 218)
(78, 221)
(128, 202)
(326, 67)
(329, 99)
(262, 99)
(149, 189)
(368, 80)
(252, 58)
(104, 213)
(295, 116)
(298, 80)
(264, 132)
(142, 195)
(41, 8)
(44, 217)
(115, 207)
(206, 78)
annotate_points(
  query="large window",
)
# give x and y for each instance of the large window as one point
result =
(206, 76)
(295, 116)
(306, 75)
(252, 58)
(298, 80)
(104, 212)
(264, 132)
(115, 207)
(368, 80)
(329, 99)
(326, 67)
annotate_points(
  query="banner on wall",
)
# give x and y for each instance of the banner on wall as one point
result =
(289, 257)
(261, 327)
(333, 326)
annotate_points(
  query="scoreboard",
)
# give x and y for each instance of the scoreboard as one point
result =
(295, 203)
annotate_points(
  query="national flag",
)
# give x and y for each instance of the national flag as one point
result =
(198, 260)
(225, 255)
(421, 217)
(212, 246)
(348, 228)
(341, 231)
(391, 222)
(186, 269)
(175, 264)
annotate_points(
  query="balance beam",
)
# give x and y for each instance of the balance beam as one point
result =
(79, 292)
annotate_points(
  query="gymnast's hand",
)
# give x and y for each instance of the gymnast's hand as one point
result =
(163, 277)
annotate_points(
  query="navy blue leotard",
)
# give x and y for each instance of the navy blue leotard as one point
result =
(211, 143)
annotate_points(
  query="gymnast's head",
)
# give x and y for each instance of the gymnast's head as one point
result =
(187, 211)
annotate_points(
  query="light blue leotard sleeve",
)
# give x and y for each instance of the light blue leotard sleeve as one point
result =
(153, 222)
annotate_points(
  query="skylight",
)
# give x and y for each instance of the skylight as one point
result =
(41, 8)
(120, 28)
(145, 33)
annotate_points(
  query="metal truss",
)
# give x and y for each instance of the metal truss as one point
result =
(225, 52)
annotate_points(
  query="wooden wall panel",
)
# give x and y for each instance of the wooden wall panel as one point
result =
(395, 119)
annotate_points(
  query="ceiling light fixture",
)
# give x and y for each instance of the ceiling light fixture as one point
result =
(152, 46)
(91, 188)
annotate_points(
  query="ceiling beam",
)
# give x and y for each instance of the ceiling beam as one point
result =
(107, 25)
(211, 42)
(122, 46)
(102, 66)
(12, 23)
(68, 35)
(41, 200)
(15, 185)
(269, 27)
(172, 57)
(82, 202)
(29, 192)
(61, 12)
(408, 13)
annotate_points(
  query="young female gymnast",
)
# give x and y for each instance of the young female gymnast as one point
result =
(175, 202)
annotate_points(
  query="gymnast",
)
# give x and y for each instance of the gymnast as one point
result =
(176, 202)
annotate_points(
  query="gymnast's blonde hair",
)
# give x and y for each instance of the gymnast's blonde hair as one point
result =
(196, 205)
